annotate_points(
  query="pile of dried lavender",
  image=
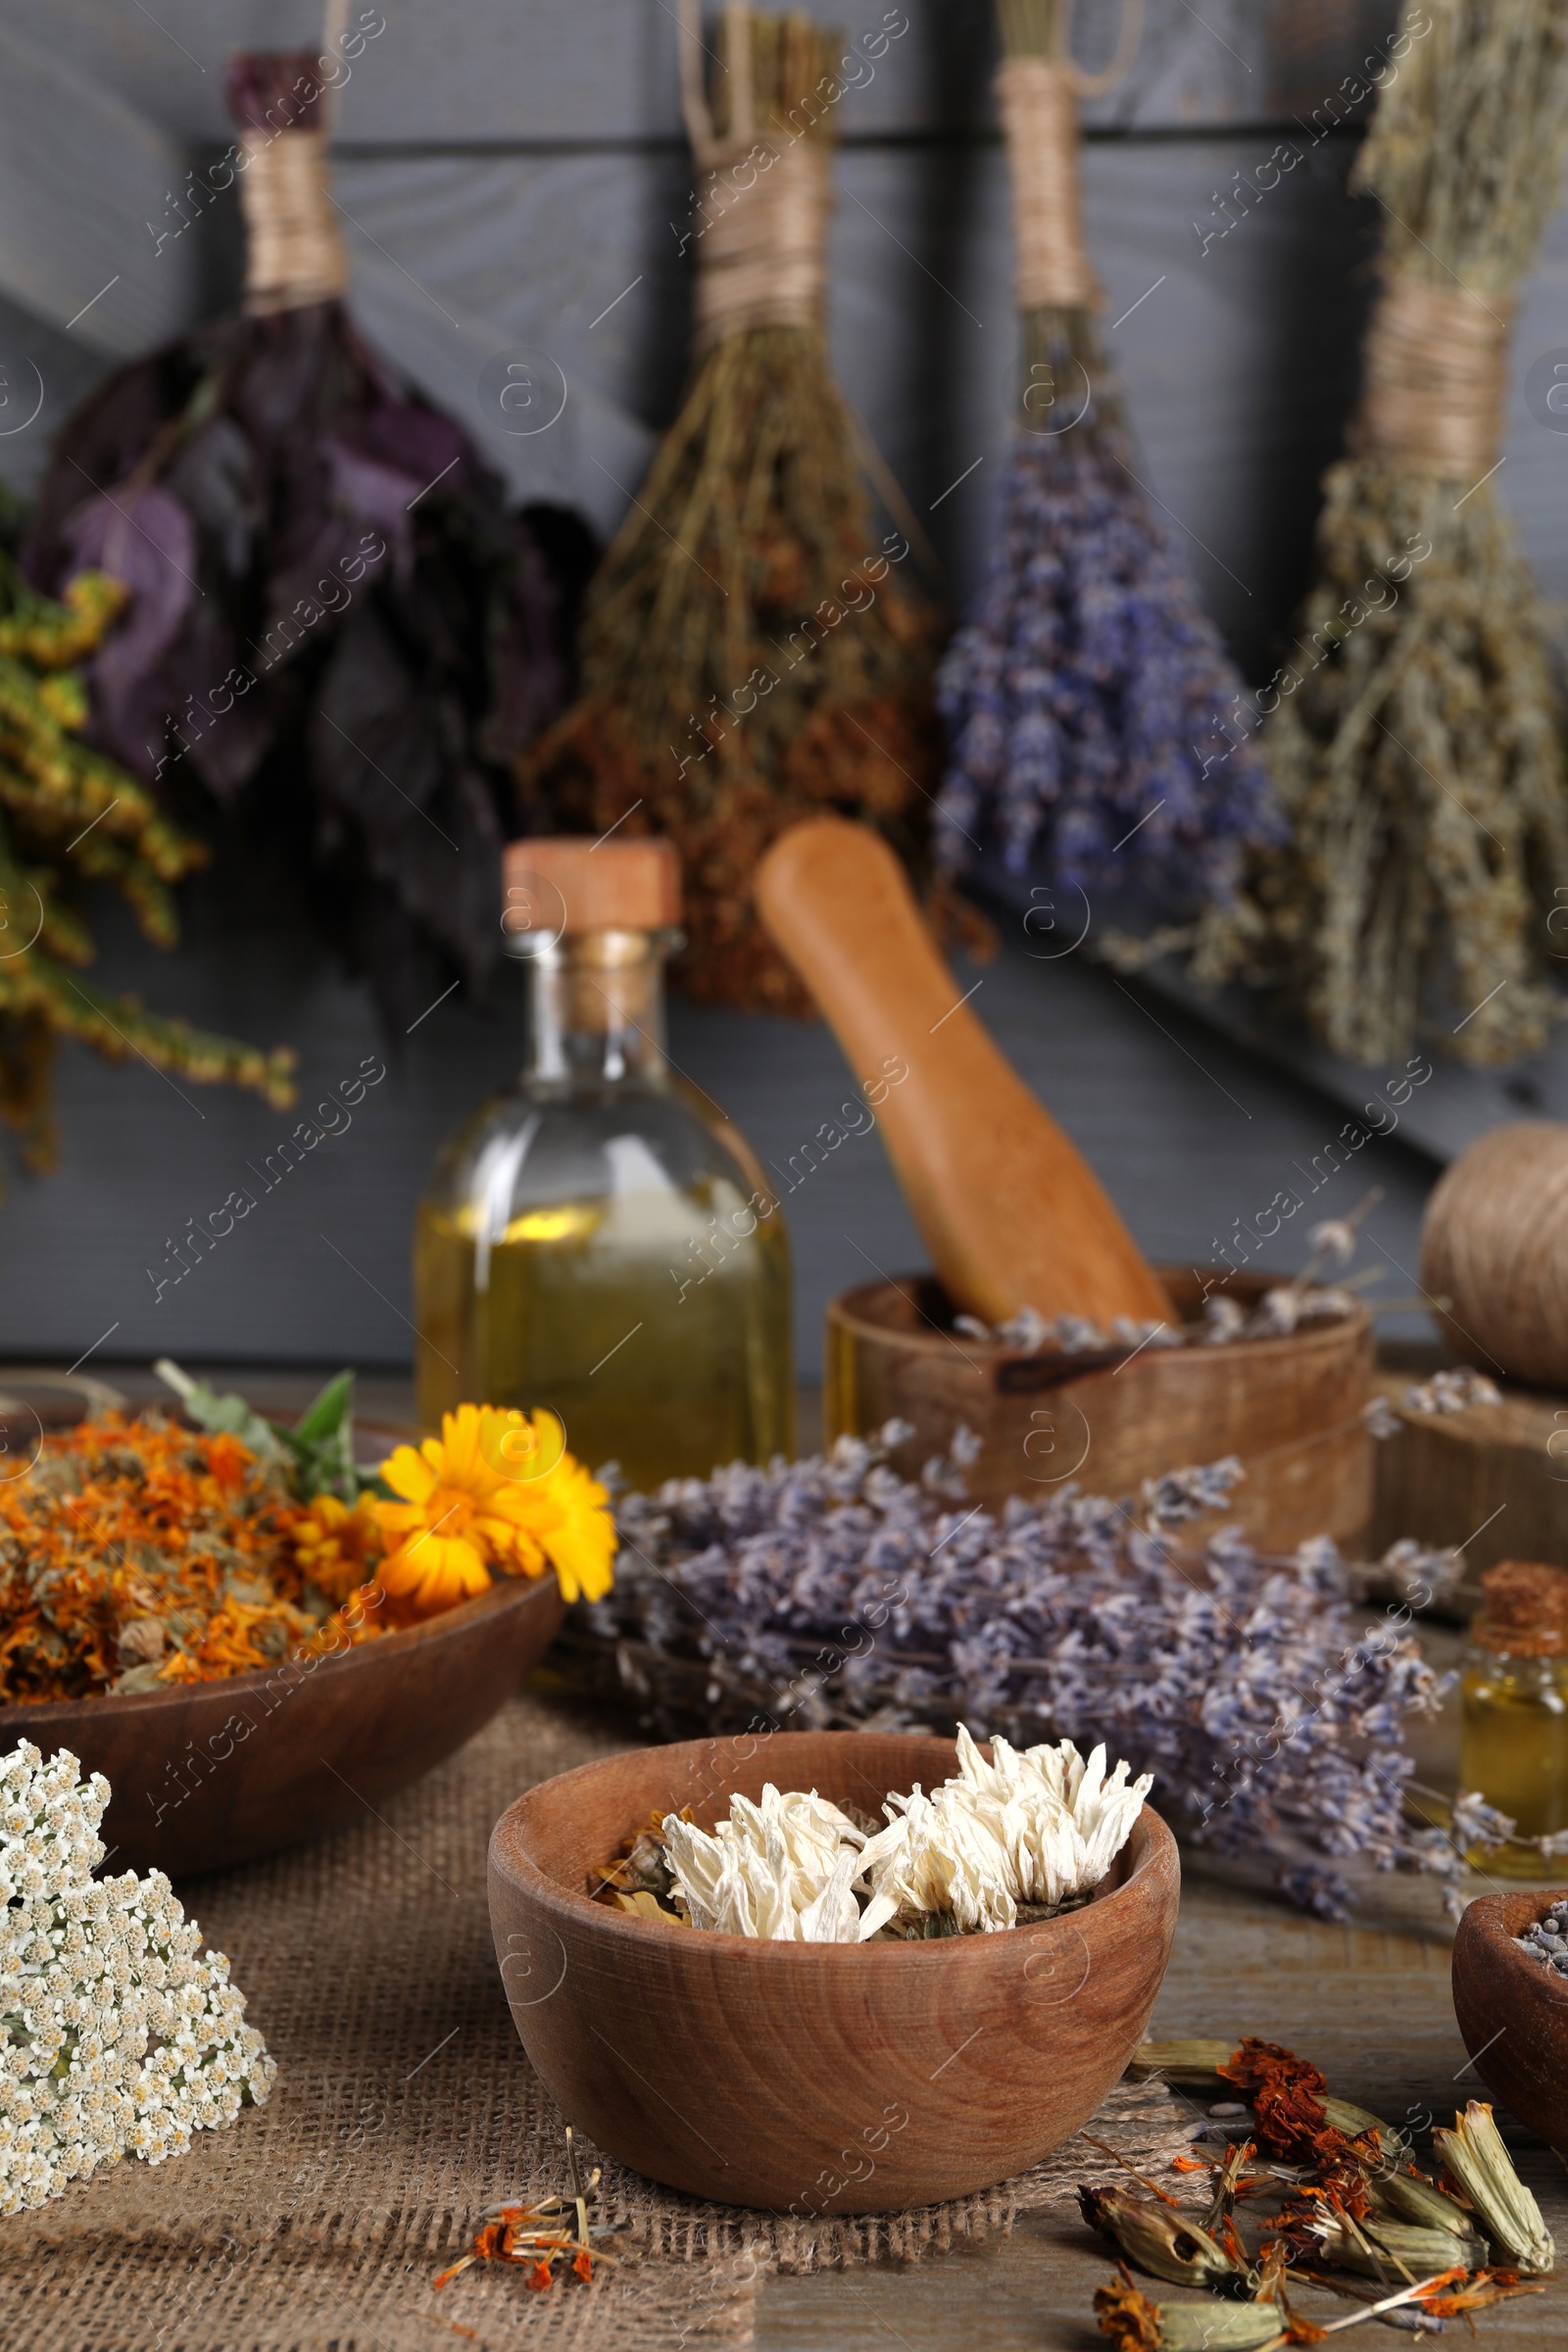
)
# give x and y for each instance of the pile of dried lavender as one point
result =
(831, 1593)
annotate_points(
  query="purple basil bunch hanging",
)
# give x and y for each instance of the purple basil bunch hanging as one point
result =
(1091, 712)
(334, 621)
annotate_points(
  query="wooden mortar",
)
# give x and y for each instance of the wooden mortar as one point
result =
(1290, 1406)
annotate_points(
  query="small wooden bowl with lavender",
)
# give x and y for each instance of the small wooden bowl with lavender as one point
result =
(1510, 1996)
(1288, 1402)
(896, 2064)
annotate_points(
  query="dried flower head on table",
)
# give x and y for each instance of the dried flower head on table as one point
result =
(831, 1593)
(752, 654)
(121, 2037)
(1343, 2192)
(332, 616)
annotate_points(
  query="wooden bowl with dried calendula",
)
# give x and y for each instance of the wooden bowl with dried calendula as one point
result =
(256, 1632)
(862, 2045)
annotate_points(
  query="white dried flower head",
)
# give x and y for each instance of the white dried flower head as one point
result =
(1334, 1239)
(1036, 1826)
(1027, 1330)
(1381, 1418)
(1184, 1494)
(117, 2033)
(781, 1869)
(1223, 1319)
(1456, 1391)
(1133, 1335)
(1421, 1572)
(1323, 1302)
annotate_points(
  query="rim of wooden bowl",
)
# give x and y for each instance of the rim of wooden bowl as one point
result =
(507, 1592)
(1149, 1845)
(852, 1310)
(1495, 1919)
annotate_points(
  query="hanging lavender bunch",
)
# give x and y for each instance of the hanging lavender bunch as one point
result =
(1087, 704)
(830, 1592)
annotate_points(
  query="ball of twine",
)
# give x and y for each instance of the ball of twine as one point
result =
(1494, 1243)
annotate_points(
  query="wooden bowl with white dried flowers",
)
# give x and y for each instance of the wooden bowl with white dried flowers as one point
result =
(832, 1971)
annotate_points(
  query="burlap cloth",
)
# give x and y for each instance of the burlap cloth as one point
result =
(404, 2106)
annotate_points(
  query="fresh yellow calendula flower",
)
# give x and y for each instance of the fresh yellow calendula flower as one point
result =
(495, 1491)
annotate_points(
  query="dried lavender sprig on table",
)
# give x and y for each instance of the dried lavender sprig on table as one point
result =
(831, 1593)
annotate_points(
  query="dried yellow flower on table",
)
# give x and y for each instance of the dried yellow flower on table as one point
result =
(1475, 2157)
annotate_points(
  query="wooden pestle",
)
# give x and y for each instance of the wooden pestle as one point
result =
(1010, 1210)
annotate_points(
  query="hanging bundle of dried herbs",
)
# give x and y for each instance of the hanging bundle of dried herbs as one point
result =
(1413, 732)
(1086, 701)
(328, 604)
(70, 816)
(750, 655)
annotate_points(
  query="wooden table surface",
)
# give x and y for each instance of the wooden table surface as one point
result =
(1369, 2002)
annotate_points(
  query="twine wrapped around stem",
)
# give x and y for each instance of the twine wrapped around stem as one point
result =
(293, 253)
(1086, 703)
(1412, 731)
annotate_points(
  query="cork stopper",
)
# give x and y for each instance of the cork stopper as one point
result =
(1525, 1609)
(559, 884)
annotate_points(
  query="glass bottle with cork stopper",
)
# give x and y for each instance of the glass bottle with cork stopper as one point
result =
(600, 1238)
(1513, 1741)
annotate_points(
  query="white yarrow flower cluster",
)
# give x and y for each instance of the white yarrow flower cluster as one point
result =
(782, 1869)
(1036, 1826)
(119, 2034)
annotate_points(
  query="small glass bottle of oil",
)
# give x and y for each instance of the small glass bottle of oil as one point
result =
(1513, 1743)
(600, 1239)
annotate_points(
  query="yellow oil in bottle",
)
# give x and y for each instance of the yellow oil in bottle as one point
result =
(1513, 1741)
(658, 1348)
(1513, 1746)
(599, 1240)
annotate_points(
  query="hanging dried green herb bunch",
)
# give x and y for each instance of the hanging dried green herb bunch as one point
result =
(67, 815)
(1412, 729)
(751, 653)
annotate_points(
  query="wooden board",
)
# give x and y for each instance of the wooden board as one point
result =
(81, 174)
(554, 74)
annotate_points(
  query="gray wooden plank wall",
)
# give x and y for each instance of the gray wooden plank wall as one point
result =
(507, 173)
